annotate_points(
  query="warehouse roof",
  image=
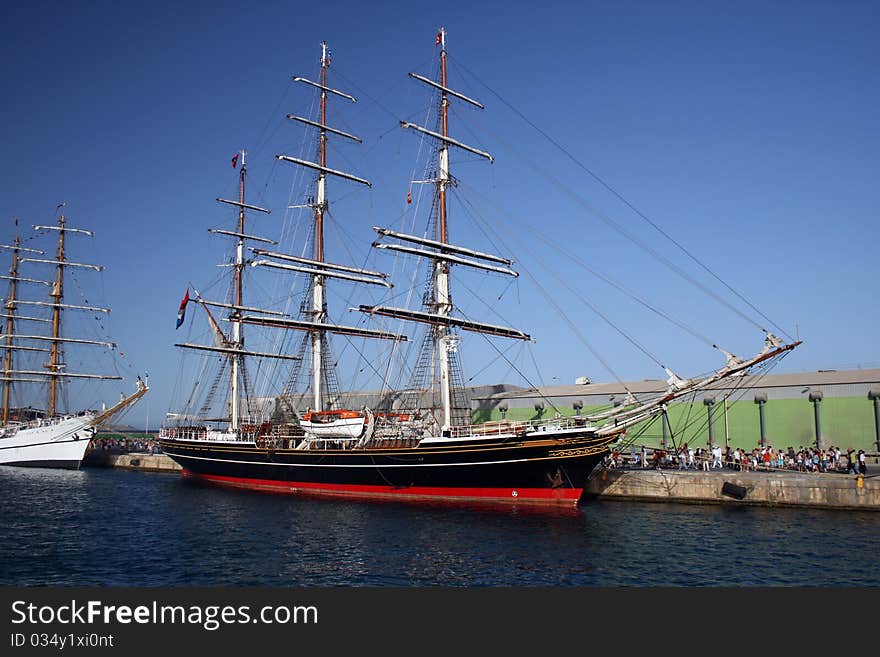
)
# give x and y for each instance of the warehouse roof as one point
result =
(817, 378)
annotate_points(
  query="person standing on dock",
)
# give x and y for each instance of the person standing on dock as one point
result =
(851, 464)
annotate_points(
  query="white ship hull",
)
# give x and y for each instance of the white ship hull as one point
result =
(58, 443)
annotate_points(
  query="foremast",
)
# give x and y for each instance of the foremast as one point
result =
(442, 253)
(319, 310)
(444, 341)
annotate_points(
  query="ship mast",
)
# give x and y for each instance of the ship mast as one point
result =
(316, 267)
(237, 336)
(319, 269)
(318, 312)
(10, 327)
(443, 340)
(234, 348)
(10, 318)
(444, 254)
(57, 295)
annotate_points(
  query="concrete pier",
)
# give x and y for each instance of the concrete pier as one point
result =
(130, 461)
(826, 490)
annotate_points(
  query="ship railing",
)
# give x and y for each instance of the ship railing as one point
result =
(46, 421)
(11, 429)
(184, 433)
(518, 427)
(335, 442)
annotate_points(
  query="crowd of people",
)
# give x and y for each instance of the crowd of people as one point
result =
(760, 458)
(126, 445)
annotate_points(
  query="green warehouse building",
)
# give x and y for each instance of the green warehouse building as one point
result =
(839, 408)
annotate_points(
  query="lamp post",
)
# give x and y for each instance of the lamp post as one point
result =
(709, 400)
(816, 397)
(760, 400)
(726, 425)
(874, 396)
(665, 424)
(502, 407)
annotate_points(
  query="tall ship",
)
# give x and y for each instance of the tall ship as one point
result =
(423, 447)
(38, 428)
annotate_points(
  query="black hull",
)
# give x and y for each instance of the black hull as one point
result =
(545, 471)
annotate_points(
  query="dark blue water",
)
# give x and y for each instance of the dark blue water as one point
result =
(98, 527)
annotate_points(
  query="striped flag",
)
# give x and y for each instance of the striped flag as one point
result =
(181, 314)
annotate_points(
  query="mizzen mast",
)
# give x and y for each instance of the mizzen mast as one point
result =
(235, 348)
(237, 337)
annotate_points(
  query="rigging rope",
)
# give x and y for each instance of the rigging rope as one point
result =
(641, 215)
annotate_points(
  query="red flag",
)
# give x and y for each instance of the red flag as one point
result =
(439, 39)
(235, 160)
(409, 197)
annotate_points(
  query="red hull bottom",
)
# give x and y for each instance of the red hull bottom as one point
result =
(519, 496)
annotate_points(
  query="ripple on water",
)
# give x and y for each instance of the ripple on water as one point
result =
(111, 528)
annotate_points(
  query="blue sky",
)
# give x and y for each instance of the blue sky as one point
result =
(747, 131)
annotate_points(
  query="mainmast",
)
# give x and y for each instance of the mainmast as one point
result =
(318, 312)
(319, 270)
(57, 295)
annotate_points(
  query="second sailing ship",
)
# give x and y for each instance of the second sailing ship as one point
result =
(42, 433)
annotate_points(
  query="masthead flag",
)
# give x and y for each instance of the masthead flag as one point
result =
(235, 160)
(181, 314)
